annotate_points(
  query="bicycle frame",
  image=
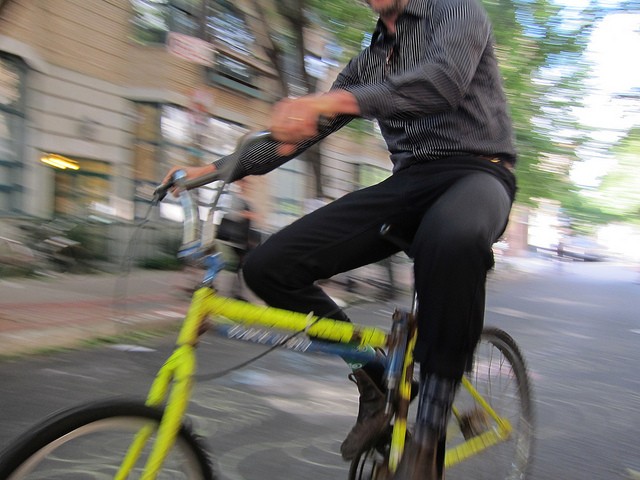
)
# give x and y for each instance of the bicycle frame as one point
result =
(174, 381)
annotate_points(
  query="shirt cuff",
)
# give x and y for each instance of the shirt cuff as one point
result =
(374, 100)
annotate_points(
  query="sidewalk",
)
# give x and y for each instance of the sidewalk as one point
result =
(65, 310)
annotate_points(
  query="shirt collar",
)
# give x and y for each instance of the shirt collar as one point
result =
(416, 8)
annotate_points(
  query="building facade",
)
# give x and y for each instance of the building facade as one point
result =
(98, 98)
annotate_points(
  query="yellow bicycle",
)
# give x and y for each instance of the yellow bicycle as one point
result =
(490, 434)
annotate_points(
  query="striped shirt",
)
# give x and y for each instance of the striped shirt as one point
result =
(434, 87)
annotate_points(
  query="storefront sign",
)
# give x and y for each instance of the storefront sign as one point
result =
(189, 48)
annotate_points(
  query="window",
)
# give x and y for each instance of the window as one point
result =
(226, 25)
(176, 126)
(167, 135)
(221, 137)
(153, 19)
(12, 127)
(150, 23)
(234, 75)
(85, 191)
(215, 21)
(288, 187)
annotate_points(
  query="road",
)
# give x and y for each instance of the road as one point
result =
(285, 415)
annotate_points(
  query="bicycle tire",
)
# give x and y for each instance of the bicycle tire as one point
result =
(370, 464)
(500, 374)
(89, 441)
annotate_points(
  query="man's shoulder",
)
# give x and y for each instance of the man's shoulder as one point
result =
(443, 5)
(448, 8)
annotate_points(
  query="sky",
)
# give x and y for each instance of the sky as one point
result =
(613, 49)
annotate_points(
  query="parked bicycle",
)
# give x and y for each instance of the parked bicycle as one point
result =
(490, 434)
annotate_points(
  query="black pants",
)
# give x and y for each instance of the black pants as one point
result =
(453, 211)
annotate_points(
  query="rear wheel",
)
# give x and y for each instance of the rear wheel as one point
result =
(89, 442)
(499, 374)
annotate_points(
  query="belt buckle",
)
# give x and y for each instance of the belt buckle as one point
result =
(499, 161)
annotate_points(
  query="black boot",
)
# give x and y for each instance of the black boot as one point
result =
(371, 419)
(422, 457)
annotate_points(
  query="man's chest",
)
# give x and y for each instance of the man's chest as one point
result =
(409, 48)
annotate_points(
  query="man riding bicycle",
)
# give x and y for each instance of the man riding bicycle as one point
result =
(431, 80)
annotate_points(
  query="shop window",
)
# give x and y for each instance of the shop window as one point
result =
(146, 148)
(289, 185)
(169, 135)
(85, 191)
(12, 127)
(221, 137)
(153, 19)
(176, 125)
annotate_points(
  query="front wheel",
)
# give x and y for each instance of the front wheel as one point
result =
(89, 442)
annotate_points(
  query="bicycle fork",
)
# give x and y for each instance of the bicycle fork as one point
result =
(402, 341)
(173, 382)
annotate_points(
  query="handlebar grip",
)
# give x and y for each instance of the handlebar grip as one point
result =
(160, 192)
(224, 173)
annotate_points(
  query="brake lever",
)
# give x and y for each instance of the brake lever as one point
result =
(160, 192)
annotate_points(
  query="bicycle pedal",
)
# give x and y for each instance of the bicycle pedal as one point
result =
(473, 423)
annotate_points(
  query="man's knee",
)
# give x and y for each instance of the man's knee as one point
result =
(255, 269)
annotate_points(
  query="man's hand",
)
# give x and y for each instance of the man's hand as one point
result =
(296, 120)
(192, 172)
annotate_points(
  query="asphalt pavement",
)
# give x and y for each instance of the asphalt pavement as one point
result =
(65, 310)
(284, 415)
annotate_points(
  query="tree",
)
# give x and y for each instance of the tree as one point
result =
(539, 45)
(287, 24)
(619, 192)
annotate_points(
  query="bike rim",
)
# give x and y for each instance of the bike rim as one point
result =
(500, 376)
(95, 450)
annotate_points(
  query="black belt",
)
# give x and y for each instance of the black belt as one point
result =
(500, 160)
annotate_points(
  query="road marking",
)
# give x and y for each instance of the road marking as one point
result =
(169, 313)
(131, 348)
(633, 474)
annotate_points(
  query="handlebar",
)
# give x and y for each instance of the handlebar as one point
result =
(224, 174)
(196, 242)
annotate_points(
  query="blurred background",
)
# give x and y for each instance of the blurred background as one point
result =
(99, 98)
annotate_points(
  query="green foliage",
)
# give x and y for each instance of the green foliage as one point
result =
(543, 79)
(540, 46)
(620, 188)
(166, 256)
(347, 20)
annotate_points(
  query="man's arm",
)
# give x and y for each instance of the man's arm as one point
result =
(297, 124)
(461, 31)
(318, 115)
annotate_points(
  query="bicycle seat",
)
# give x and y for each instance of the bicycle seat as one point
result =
(394, 235)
